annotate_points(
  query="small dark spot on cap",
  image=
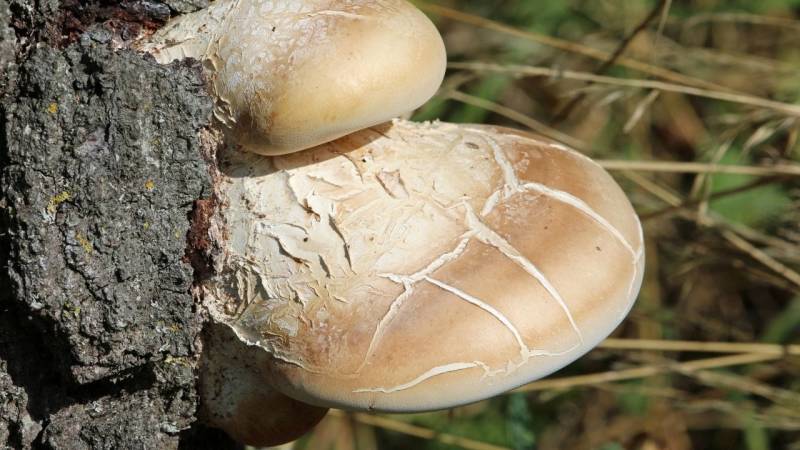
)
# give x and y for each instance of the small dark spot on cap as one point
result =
(598, 249)
(471, 145)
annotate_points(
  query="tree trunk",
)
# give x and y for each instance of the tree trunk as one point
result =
(101, 157)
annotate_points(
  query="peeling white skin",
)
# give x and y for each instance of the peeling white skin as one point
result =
(291, 74)
(421, 266)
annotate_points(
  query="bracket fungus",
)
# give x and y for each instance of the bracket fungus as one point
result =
(401, 267)
(288, 75)
(414, 267)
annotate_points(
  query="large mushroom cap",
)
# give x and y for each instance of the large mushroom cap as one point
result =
(418, 267)
(289, 75)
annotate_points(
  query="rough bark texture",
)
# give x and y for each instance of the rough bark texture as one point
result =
(101, 164)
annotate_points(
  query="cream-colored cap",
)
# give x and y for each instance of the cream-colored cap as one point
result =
(421, 266)
(289, 75)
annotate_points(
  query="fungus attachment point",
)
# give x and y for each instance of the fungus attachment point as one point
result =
(288, 75)
(421, 266)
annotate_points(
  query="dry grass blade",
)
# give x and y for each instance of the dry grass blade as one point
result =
(516, 116)
(784, 108)
(643, 106)
(703, 347)
(664, 212)
(663, 193)
(568, 46)
(647, 371)
(733, 415)
(661, 7)
(728, 233)
(792, 170)
(744, 384)
(643, 166)
(762, 257)
(753, 19)
(419, 432)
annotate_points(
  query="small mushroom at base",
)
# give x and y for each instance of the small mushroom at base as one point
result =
(416, 267)
(235, 398)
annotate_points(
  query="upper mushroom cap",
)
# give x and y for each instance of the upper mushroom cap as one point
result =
(418, 267)
(289, 75)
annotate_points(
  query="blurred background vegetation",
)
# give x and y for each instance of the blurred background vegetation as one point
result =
(692, 105)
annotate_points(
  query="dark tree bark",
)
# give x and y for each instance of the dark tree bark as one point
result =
(101, 164)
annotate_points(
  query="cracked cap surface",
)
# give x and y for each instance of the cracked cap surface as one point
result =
(422, 266)
(288, 75)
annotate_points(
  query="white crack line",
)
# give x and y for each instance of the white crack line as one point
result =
(344, 14)
(513, 186)
(525, 352)
(523, 348)
(488, 236)
(438, 370)
(583, 207)
(408, 282)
